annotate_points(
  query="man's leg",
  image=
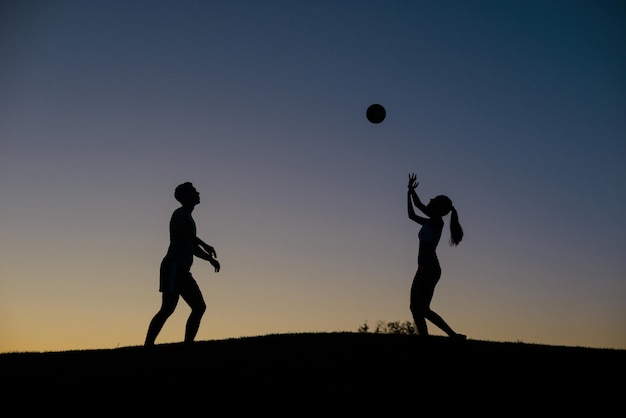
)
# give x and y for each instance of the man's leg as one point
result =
(168, 304)
(193, 296)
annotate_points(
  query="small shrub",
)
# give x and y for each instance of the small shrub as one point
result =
(364, 327)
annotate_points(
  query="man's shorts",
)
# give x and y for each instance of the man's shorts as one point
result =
(174, 277)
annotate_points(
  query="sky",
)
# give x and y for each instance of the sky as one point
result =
(514, 109)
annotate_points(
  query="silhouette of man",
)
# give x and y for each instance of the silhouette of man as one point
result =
(175, 275)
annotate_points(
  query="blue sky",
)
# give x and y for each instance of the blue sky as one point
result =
(513, 109)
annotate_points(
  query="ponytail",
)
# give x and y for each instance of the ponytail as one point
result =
(456, 232)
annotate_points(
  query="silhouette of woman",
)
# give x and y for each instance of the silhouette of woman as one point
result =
(428, 268)
(175, 276)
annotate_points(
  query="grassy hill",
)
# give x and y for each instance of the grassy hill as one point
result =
(318, 374)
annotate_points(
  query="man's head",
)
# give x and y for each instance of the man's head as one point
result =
(186, 194)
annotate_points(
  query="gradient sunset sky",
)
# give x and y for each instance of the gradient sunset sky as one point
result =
(514, 109)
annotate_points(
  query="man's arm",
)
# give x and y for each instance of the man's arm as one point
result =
(199, 252)
(206, 247)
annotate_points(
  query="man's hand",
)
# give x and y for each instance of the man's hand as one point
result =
(210, 250)
(215, 264)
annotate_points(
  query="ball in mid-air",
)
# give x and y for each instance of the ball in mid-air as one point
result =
(376, 113)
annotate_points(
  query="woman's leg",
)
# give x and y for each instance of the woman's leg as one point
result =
(421, 295)
(437, 320)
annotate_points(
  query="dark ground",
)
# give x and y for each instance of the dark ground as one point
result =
(319, 374)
